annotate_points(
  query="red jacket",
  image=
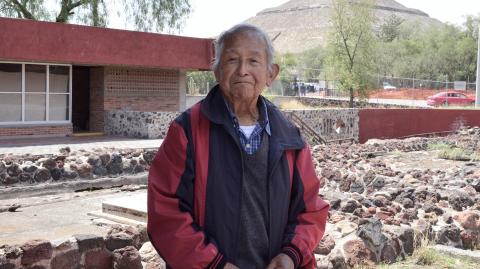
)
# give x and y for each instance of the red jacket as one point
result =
(194, 190)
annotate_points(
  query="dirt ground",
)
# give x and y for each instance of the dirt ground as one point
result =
(56, 216)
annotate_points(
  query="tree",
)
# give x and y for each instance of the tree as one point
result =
(288, 72)
(144, 15)
(468, 48)
(311, 63)
(389, 30)
(200, 82)
(436, 53)
(350, 46)
(28, 9)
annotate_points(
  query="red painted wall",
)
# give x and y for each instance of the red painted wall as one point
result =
(26, 40)
(397, 123)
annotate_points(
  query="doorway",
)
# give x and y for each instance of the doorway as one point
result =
(80, 98)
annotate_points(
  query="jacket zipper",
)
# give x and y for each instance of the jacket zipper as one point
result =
(270, 173)
(241, 191)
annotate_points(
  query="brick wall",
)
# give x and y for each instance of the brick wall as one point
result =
(36, 131)
(96, 99)
(136, 89)
(131, 89)
(146, 104)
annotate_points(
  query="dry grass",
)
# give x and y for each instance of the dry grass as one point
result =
(451, 152)
(403, 93)
(425, 257)
(293, 104)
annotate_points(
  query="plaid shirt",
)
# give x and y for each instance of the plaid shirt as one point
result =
(251, 144)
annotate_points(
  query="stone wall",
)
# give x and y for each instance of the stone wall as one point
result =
(118, 249)
(72, 166)
(331, 124)
(138, 124)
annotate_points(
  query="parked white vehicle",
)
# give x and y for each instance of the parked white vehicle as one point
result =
(388, 86)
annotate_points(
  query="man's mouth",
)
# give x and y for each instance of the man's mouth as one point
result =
(242, 82)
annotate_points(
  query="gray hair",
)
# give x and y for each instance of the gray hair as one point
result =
(241, 28)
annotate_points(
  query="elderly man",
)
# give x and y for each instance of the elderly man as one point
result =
(233, 184)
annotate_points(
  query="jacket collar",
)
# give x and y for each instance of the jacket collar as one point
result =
(283, 133)
(262, 108)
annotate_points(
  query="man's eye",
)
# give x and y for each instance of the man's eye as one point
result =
(231, 60)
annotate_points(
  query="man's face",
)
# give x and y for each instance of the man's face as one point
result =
(243, 70)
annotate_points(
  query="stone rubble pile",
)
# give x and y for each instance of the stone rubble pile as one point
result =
(380, 213)
(34, 169)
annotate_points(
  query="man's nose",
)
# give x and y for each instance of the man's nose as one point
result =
(242, 68)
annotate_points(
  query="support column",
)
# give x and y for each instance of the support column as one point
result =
(477, 85)
(182, 90)
(97, 89)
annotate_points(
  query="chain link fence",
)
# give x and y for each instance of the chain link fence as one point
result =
(322, 88)
(382, 87)
(412, 83)
(386, 87)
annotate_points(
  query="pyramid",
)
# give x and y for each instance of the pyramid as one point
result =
(299, 25)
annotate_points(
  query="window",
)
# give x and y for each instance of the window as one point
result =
(59, 93)
(10, 92)
(34, 93)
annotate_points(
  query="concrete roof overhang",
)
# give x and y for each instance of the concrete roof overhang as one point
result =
(49, 42)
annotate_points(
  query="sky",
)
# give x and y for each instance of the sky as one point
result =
(210, 17)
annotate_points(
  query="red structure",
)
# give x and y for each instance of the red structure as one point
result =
(398, 123)
(35, 41)
(59, 78)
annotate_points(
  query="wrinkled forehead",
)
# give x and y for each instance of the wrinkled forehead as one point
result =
(246, 38)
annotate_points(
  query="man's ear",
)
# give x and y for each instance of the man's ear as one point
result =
(273, 74)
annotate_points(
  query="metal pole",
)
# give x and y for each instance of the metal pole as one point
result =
(446, 89)
(477, 85)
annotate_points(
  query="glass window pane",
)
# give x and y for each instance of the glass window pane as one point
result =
(10, 107)
(59, 78)
(35, 107)
(58, 107)
(35, 78)
(10, 77)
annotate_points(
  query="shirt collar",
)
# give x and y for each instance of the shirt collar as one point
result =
(262, 109)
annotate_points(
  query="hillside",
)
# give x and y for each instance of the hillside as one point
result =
(299, 25)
